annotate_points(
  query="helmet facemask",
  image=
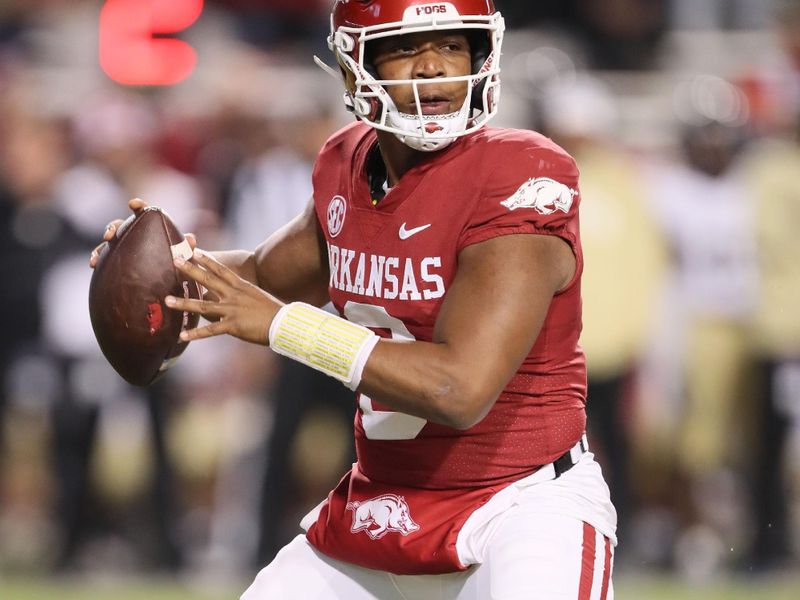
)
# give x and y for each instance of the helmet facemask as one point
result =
(367, 96)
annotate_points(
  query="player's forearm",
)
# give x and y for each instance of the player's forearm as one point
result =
(428, 380)
(241, 262)
(434, 381)
(281, 279)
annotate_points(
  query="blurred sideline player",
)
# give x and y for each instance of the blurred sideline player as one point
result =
(452, 252)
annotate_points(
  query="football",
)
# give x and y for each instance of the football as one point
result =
(136, 331)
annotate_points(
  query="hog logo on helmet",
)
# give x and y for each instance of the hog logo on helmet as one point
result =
(543, 194)
(379, 516)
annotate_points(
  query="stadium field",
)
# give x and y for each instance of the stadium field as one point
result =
(644, 588)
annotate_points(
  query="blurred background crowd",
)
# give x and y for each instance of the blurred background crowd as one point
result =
(684, 117)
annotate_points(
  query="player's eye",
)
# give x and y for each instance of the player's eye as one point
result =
(394, 52)
(404, 49)
(453, 45)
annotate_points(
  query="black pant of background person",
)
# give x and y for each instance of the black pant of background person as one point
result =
(5, 361)
(80, 515)
(607, 426)
(771, 546)
(298, 389)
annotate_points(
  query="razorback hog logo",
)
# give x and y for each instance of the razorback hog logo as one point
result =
(379, 516)
(543, 194)
(155, 318)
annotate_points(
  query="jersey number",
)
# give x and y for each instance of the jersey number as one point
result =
(383, 424)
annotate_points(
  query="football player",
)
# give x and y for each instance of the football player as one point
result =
(452, 253)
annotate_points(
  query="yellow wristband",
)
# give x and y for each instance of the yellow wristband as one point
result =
(322, 341)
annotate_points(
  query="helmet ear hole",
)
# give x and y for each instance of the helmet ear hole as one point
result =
(479, 49)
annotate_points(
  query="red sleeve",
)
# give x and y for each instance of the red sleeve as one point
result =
(527, 189)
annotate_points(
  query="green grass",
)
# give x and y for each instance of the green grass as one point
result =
(663, 588)
(644, 588)
(120, 589)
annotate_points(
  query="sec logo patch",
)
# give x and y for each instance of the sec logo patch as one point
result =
(337, 209)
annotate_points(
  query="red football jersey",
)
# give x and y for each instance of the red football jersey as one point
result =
(390, 267)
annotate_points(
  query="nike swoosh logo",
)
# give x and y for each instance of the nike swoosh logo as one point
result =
(407, 233)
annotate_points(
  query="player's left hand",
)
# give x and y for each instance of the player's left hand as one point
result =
(237, 307)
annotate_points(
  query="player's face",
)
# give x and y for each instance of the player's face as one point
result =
(427, 57)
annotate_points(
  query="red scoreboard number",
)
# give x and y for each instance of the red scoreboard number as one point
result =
(135, 43)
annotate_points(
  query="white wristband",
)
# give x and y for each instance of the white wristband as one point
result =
(322, 341)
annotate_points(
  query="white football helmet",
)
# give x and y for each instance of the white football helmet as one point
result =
(356, 22)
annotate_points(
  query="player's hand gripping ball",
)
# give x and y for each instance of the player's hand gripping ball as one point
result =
(137, 333)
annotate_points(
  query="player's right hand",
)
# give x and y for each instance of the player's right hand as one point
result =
(136, 205)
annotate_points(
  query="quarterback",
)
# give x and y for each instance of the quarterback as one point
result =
(452, 253)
